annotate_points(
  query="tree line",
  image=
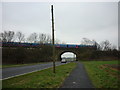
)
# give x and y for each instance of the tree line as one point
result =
(102, 46)
(104, 50)
(17, 55)
(11, 36)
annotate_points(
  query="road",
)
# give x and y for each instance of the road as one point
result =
(16, 71)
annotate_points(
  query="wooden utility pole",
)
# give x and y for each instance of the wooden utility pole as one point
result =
(53, 39)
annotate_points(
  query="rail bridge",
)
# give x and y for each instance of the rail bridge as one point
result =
(81, 51)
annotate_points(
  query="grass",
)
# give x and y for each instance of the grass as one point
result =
(41, 79)
(101, 75)
(18, 65)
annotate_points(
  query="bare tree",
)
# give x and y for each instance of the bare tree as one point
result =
(48, 39)
(7, 36)
(105, 45)
(86, 41)
(95, 43)
(42, 38)
(98, 46)
(33, 38)
(20, 36)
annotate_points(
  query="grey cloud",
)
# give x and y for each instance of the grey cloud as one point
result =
(73, 21)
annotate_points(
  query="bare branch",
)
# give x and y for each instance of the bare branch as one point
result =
(7, 36)
(20, 36)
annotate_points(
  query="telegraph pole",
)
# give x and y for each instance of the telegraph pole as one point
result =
(53, 44)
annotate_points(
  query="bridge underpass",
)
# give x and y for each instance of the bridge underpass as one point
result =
(68, 56)
(82, 52)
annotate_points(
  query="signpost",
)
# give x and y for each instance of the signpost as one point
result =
(53, 39)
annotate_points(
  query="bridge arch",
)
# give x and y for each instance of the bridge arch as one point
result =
(65, 51)
(69, 56)
(81, 52)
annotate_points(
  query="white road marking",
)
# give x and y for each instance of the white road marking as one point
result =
(28, 72)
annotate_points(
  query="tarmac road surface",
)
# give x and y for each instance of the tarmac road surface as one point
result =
(16, 71)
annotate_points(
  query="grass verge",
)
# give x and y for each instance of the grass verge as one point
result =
(18, 65)
(41, 79)
(101, 75)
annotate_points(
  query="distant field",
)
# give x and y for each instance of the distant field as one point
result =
(41, 79)
(104, 74)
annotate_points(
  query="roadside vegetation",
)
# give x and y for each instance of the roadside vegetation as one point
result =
(104, 74)
(41, 79)
(18, 65)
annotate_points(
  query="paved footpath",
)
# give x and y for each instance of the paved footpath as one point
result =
(78, 78)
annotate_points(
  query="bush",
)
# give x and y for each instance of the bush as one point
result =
(26, 55)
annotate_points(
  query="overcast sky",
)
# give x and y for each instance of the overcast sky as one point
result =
(73, 21)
